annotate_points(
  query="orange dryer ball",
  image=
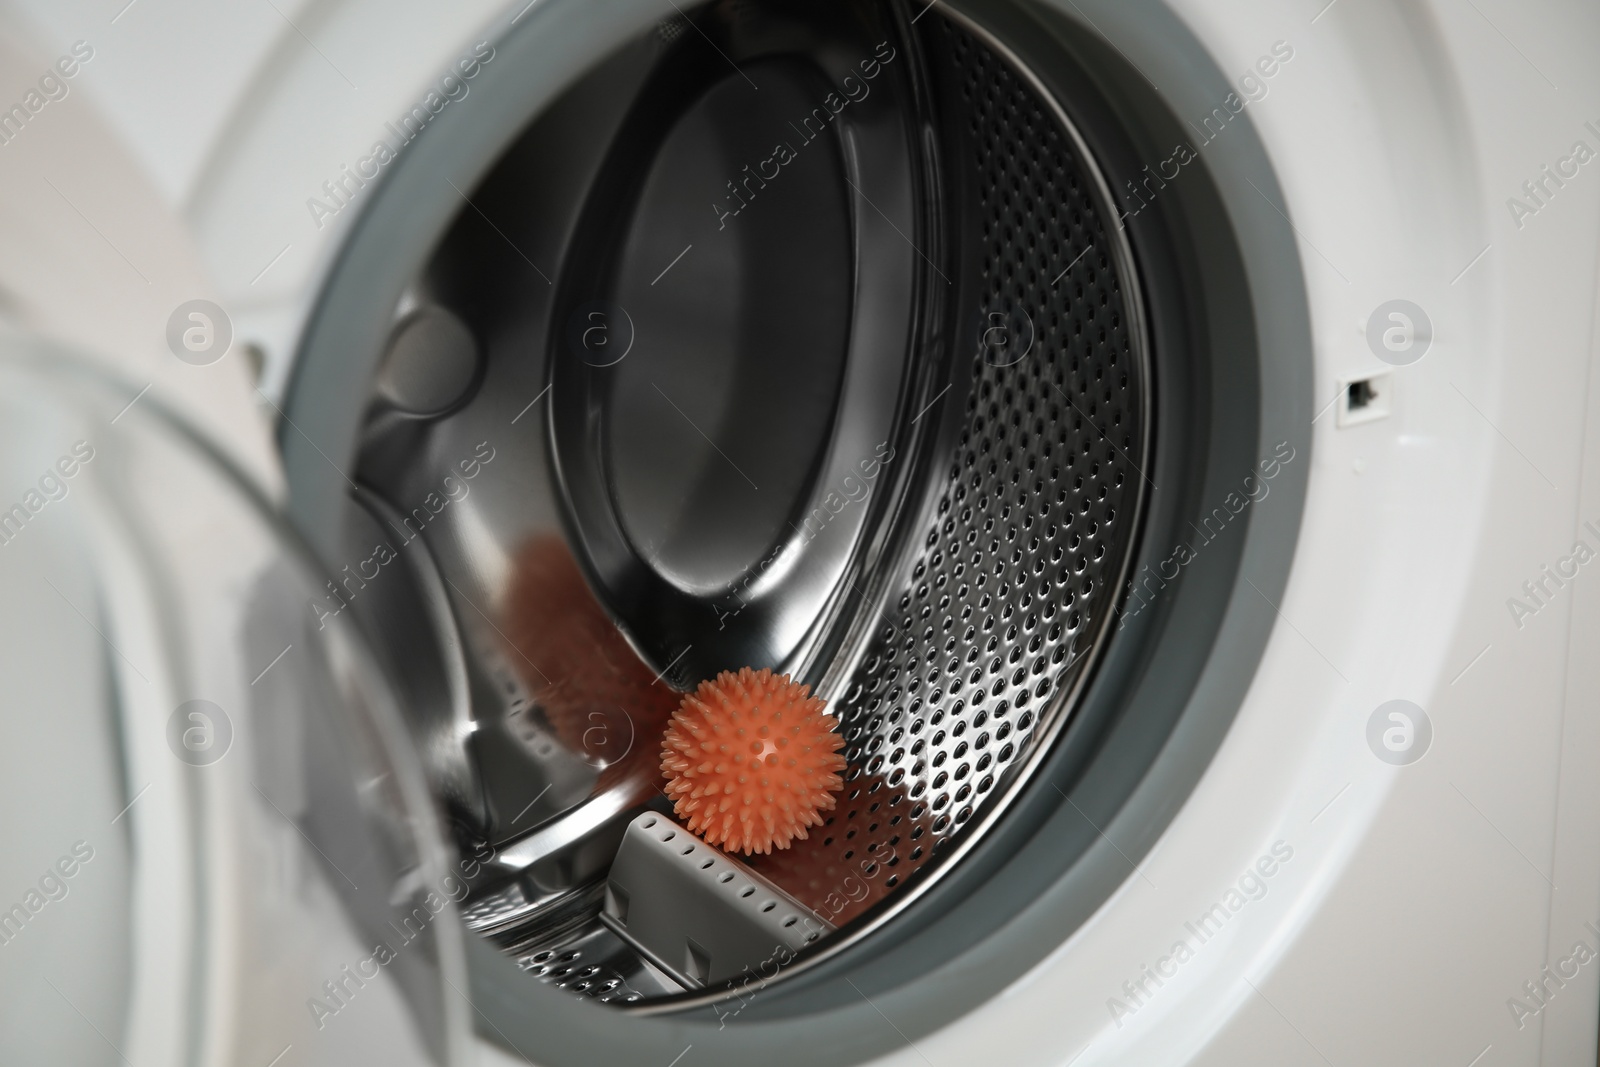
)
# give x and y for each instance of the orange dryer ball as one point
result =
(750, 759)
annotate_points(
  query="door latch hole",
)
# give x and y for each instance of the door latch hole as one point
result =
(1366, 399)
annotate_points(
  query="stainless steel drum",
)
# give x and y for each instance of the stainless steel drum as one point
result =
(791, 336)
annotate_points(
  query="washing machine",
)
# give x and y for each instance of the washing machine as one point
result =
(1149, 441)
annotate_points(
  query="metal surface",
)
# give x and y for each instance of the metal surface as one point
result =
(542, 796)
(972, 665)
(915, 485)
(598, 965)
(700, 915)
(1043, 869)
(430, 365)
(717, 480)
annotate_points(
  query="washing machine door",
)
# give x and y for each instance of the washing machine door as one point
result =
(219, 847)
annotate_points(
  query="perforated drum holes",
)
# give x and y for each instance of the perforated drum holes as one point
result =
(948, 583)
(1033, 521)
(1007, 336)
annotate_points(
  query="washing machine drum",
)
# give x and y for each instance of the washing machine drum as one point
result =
(790, 336)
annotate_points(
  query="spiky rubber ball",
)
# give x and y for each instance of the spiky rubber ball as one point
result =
(750, 760)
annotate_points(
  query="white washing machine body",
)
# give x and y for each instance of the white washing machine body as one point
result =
(1350, 880)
